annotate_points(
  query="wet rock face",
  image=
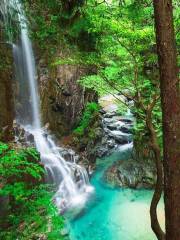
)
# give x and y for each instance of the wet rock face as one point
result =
(131, 173)
(22, 136)
(6, 93)
(116, 131)
(69, 154)
(62, 98)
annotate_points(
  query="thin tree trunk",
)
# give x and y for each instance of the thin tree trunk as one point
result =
(159, 167)
(170, 98)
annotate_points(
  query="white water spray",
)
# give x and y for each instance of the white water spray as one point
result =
(70, 191)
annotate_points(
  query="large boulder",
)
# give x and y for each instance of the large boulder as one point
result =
(132, 174)
(120, 137)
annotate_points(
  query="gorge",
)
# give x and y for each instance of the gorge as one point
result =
(79, 96)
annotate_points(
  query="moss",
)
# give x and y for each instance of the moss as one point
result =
(76, 60)
(86, 133)
(89, 114)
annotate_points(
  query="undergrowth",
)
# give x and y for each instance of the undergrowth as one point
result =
(26, 209)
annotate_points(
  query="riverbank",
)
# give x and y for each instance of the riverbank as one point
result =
(114, 213)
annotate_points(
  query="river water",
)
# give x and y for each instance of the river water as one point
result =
(112, 213)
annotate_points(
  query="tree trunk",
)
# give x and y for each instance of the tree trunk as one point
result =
(170, 99)
(159, 183)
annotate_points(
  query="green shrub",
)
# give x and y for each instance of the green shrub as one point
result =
(90, 110)
(29, 212)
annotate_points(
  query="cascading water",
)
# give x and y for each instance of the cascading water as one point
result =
(70, 191)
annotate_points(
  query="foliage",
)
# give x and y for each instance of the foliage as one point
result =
(30, 211)
(90, 111)
(49, 19)
(44, 17)
(3, 147)
(77, 58)
(127, 65)
(122, 108)
(15, 163)
(117, 38)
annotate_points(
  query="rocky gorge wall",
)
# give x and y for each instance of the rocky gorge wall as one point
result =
(62, 97)
(6, 92)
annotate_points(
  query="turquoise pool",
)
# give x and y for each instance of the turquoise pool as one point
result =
(114, 214)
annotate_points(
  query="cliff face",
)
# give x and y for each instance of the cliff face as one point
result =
(6, 96)
(62, 98)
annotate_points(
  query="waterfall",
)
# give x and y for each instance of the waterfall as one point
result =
(70, 190)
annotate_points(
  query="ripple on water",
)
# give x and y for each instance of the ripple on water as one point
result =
(130, 220)
(115, 214)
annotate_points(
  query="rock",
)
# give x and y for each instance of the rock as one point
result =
(29, 137)
(115, 131)
(110, 114)
(4, 206)
(99, 133)
(102, 111)
(66, 93)
(7, 87)
(120, 137)
(68, 154)
(131, 173)
(108, 120)
(62, 98)
(115, 125)
(102, 151)
(41, 237)
(126, 128)
(64, 232)
(127, 120)
(111, 143)
(112, 127)
(22, 136)
(111, 133)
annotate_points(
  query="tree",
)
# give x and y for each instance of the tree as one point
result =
(170, 100)
(130, 68)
